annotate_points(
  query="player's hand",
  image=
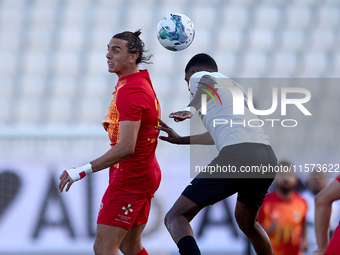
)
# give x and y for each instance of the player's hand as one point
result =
(172, 137)
(319, 252)
(181, 115)
(303, 244)
(65, 179)
(273, 227)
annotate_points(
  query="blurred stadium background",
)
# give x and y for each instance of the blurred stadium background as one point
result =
(55, 90)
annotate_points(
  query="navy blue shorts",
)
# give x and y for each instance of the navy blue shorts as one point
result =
(251, 187)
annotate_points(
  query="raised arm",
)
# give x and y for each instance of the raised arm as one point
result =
(128, 131)
(206, 85)
(174, 138)
(323, 208)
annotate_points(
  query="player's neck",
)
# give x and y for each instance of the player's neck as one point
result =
(285, 196)
(128, 71)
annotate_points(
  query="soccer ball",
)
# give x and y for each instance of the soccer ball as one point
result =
(175, 31)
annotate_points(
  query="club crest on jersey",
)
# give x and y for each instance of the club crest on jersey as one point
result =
(127, 209)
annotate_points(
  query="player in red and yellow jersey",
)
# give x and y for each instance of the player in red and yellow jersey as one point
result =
(134, 171)
(282, 215)
(323, 208)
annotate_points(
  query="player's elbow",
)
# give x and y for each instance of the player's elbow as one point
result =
(321, 199)
(129, 149)
(317, 199)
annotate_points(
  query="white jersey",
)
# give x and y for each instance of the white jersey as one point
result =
(224, 127)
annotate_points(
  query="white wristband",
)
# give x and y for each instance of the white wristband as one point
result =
(80, 172)
(190, 109)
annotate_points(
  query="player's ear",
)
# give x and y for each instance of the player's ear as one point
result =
(134, 57)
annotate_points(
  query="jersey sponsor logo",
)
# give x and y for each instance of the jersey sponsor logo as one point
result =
(285, 235)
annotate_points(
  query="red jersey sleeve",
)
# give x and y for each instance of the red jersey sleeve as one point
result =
(338, 178)
(131, 103)
(260, 216)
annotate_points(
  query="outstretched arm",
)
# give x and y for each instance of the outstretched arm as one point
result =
(323, 208)
(128, 131)
(174, 138)
(206, 85)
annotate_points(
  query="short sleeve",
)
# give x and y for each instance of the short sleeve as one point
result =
(260, 217)
(338, 178)
(306, 209)
(130, 103)
(194, 79)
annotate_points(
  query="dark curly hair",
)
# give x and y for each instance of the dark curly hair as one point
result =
(134, 45)
(204, 61)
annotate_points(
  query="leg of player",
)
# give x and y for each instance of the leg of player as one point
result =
(246, 220)
(108, 239)
(177, 222)
(132, 242)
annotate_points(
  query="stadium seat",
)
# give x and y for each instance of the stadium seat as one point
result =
(6, 111)
(261, 40)
(91, 111)
(64, 87)
(230, 40)
(131, 23)
(226, 63)
(44, 44)
(9, 41)
(13, 19)
(47, 4)
(267, 17)
(163, 63)
(33, 87)
(170, 6)
(235, 18)
(7, 87)
(254, 64)
(314, 65)
(29, 111)
(284, 64)
(292, 40)
(298, 17)
(72, 40)
(43, 18)
(204, 17)
(328, 17)
(36, 63)
(8, 64)
(96, 62)
(97, 86)
(336, 65)
(322, 40)
(67, 63)
(202, 42)
(60, 111)
(106, 22)
(244, 3)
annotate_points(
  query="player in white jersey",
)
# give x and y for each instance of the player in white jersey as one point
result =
(224, 127)
(238, 145)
